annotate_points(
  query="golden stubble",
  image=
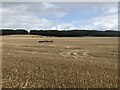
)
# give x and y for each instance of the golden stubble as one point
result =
(67, 62)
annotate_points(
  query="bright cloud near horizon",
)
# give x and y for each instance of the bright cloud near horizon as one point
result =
(60, 15)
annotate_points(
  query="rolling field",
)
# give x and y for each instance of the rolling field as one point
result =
(67, 62)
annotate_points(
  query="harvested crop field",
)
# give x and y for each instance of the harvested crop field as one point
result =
(65, 62)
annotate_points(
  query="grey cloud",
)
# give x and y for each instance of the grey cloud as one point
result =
(30, 15)
(38, 9)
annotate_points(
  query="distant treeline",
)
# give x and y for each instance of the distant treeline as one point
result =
(11, 31)
(69, 33)
(75, 33)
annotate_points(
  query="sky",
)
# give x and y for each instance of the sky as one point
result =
(60, 15)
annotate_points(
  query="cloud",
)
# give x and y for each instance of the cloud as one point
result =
(35, 16)
(102, 23)
(32, 8)
(29, 16)
(63, 27)
(109, 19)
(27, 23)
(106, 22)
(48, 5)
(61, 14)
(111, 9)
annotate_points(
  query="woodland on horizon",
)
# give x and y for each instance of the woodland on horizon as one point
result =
(62, 33)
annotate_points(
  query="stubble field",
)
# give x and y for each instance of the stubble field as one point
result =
(67, 62)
